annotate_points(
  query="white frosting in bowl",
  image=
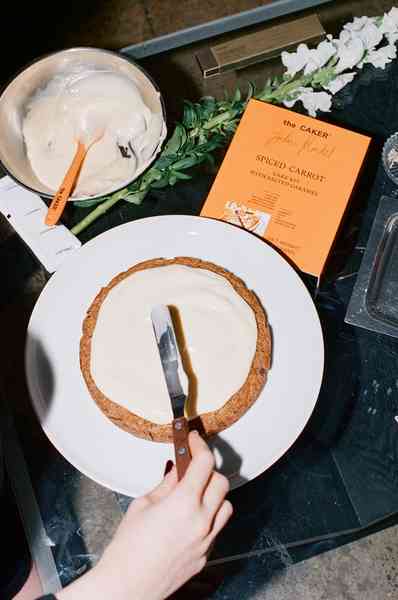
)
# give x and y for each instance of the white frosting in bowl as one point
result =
(75, 105)
(219, 336)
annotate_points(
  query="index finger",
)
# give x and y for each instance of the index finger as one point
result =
(201, 466)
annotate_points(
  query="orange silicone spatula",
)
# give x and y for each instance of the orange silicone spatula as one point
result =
(60, 199)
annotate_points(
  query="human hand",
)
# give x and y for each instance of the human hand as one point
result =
(164, 537)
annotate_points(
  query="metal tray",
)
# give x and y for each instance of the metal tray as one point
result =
(203, 31)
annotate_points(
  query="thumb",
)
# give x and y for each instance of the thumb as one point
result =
(165, 487)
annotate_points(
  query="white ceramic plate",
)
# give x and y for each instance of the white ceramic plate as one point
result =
(130, 465)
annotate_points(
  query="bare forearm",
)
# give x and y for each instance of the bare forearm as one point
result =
(94, 585)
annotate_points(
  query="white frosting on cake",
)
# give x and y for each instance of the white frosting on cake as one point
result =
(219, 330)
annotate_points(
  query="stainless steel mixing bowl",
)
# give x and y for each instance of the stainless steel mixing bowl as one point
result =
(17, 94)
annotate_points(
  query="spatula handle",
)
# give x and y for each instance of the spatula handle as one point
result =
(181, 446)
(57, 205)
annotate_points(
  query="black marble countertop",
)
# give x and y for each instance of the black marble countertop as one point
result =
(339, 479)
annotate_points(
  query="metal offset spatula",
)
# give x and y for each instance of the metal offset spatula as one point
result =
(172, 368)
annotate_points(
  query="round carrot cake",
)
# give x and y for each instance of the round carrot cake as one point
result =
(222, 334)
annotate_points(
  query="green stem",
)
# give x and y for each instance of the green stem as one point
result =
(97, 212)
(283, 90)
(218, 119)
(213, 122)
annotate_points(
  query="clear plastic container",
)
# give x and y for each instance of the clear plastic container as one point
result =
(382, 293)
(374, 301)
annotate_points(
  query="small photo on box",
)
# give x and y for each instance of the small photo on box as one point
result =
(248, 218)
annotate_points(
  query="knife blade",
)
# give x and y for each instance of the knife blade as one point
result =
(172, 368)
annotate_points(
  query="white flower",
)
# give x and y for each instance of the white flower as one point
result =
(365, 29)
(344, 37)
(319, 56)
(312, 101)
(339, 82)
(359, 23)
(370, 35)
(358, 44)
(296, 61)
(349, 52)
(393, 15)
(309, 60)
(381, 57)
(392, 37)
(389, 25)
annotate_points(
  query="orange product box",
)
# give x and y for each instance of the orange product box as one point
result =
(288, 178)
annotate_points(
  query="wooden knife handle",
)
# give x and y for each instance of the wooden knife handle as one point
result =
(181, 446)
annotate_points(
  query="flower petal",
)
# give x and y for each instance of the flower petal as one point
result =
(393, 14)
(290, 103)
(318, 57)
(381, 57)
(359, 23)
(349, 54)
(392, 37)
(339, 82)
(296, 61)
(370, 35)
(312, 101)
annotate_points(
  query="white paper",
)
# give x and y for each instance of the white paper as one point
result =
(26, 212)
